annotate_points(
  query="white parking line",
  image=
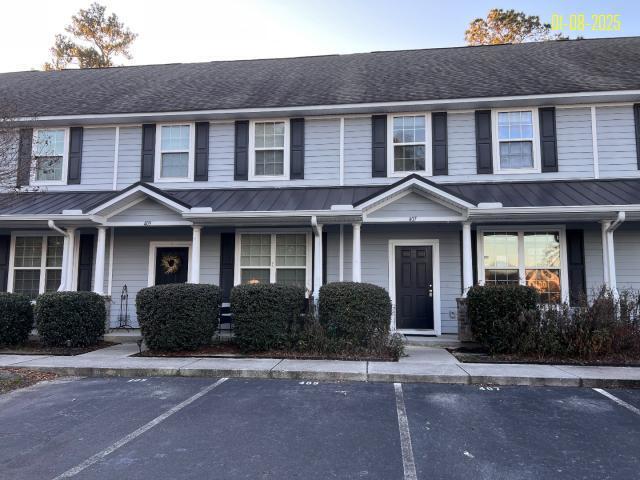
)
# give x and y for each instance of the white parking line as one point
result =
(124, 440)
(408, 463)
(622, 403)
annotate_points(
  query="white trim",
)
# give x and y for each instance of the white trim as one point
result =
(428, 167)
(116, 158)
(285, 151)
(435, 262)
(76, 261)
(65, 159)
(535, 141)
(153, 247)
(196, 243)
(341, 255)
(341, 106)
(594, 143)
(158, 178)
(341, 167)
(356, 253)
(42, 268)
(403, 193)
(98, 274)
(125, 207)
(140, 188)
(111, 248)
(467, 258)
(520, 230)
(272, 268)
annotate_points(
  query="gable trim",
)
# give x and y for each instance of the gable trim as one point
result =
(457, 213)
(150, 192)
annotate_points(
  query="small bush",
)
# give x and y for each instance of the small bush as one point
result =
(16, 318)
(359, 314)
(264, 315)
(74, 319)
(179, 316)
(494, 312)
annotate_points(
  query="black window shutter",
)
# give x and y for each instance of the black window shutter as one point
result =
(296, 147)
(636, 116)
(241, 168)
(5, 242)
(548, 144)
(148, 152)
(379, 145)
(24, 157)
(439, 142)
(74, 170)
(202, 152)
(484, 147)
(227, 257)
(575, 256)
(85, 262)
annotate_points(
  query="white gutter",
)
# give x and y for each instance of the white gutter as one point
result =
(314, 225)
(617, 222)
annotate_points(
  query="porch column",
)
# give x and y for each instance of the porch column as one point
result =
(609, 258)
(98, 276)
(467, 258)
(69, 264)
(355, 265)
(317, 261)
(194, 276)
(65, 261)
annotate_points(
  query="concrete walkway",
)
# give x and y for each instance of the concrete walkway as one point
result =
(422, 364)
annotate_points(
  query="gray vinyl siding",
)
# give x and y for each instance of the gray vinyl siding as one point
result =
(461, 144)
(627, 253)
(616, 142)
(357, 153)
(574, 142)
(131, 261)
(129, 151)
(413, 205)
(98, 152)
(147, 211)
(594, 268)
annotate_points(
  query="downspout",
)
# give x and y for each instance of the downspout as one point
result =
(65, 255)
(609, 251)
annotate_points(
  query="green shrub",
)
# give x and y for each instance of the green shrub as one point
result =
(357, 313)
(74, 319)
(16, 318)
(264, 315)
(495, 311)
(179, 316)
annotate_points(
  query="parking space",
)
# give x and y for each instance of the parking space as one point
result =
(167, 428)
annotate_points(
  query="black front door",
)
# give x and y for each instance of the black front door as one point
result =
(414, 287)
(172, 265)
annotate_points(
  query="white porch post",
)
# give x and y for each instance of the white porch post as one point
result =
(605, 253)
(98, 277)
(467, 258)
(65, 261)
(68, 266)
(317, 261)
(355, 265)
(195, 255)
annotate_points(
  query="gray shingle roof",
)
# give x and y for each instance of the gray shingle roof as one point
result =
(410, 75)
(512, 194)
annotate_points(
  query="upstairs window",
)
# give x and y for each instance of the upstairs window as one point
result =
(36, 264)
(50, 155)
(270, 145)
(175, 155)
(516, 149)
(408, 143)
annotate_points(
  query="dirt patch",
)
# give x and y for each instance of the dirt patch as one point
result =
(466, 356)
(14, 378)
(34, 347)
(229, 350)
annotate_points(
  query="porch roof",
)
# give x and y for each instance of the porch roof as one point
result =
(556, 193)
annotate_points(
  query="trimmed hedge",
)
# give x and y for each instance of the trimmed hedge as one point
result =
(74, 319)
(493, 312)
(179, 316)
(357, 313)
(16, 318)
(264, 314)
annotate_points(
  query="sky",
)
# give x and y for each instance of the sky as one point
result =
(199, 30)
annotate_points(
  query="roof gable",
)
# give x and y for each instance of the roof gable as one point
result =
(416, 205)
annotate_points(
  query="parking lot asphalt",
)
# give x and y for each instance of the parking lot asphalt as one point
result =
(175, 428)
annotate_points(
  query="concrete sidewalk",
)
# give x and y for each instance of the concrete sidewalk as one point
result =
(422, 364)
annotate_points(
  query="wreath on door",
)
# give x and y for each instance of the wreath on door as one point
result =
(170, 263)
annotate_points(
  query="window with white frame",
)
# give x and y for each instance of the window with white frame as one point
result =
(175, 151)
(269, 149)
(516, 140)
(530, 258)
(36, 264)
(409, 143)
(275, 258)
(49, 152)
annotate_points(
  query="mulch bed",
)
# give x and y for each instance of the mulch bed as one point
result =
(14, 378)
(481, 357)
(229, 350)
(34, 347)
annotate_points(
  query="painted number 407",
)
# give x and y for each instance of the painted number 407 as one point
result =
(413, 219)
(490, 389)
